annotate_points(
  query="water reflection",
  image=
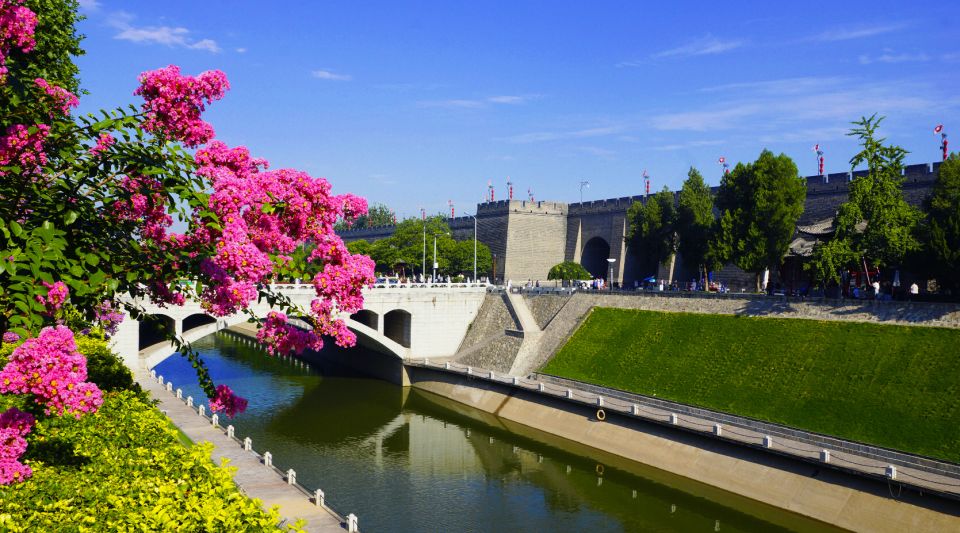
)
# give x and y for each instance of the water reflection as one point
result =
(406, 460)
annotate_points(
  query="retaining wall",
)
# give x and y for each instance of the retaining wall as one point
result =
(825, 495)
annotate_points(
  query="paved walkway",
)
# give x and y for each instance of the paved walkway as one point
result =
(252, 477)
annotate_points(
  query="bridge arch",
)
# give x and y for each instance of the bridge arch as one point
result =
(155, 328)
(594, 257)
(367, 318)
(397, 325)
(197, 320)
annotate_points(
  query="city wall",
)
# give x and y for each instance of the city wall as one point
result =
(527, 238)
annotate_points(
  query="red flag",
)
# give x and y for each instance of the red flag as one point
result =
(938, 129)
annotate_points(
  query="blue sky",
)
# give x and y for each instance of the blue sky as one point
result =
(417, 103)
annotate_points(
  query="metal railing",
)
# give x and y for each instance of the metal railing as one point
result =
(775, 438)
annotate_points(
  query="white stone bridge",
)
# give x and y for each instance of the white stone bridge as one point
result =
(400, 320)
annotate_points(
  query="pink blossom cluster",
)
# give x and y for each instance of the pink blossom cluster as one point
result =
(20, 147)
(225, 400)
(109, 316)
(283, 338)
(17, 25)
(269, 213)
(57, 294)
(104, 142)
(11, 337)
(173, 103)
(146, 205)
(50, 368)
(14, 426)
(61, 98)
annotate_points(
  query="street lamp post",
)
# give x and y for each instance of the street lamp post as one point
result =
(423, 268)
(611, 260)
(583, 183)
(435, 265)
(474, 246)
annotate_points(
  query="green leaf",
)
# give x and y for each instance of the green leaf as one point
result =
(16, 228)
(92, 259)
(70, 218)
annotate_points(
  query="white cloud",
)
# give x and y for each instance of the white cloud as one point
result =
(467, 103)
(781, 86)
(241, 50)
(857, 32)
(89, 5)
(545, 136)
(890, 57)
(686, 145)
(762, 110)
(597, 151)
(507, 99)
(332, 76)
(165, 35)
(705, 45)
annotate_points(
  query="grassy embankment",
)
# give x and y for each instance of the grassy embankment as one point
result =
(892, 386)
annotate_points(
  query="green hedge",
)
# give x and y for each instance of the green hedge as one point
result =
(892, 386)
(122, 468)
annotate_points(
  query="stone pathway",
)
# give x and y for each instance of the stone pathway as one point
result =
(252, 477)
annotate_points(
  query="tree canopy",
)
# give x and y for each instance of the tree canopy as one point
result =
(875, 224)
(404, 250)
(652, 228)
(760, 204)
(568, 270)
(695, 221)
(943, 227)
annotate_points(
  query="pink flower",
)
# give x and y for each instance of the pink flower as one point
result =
(20, 147)
(103, 144)
(61, 98)
(57, 294)
(109, 317)
(13, 471)
(173, 103)
(11, 337)
(227, 401)
(50, 368)
(17, 25)
(16, 419)
(281, 337)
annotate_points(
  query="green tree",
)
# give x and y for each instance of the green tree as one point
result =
(760, 204)
(695, 221)
(405, 249)
(378, 215)
(943, 227)
(568, 270)
(652, 231)
(875, 225)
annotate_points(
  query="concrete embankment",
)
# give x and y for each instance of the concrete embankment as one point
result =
(829, 496)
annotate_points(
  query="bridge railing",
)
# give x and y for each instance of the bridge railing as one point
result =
(294, 287)
(939, 476)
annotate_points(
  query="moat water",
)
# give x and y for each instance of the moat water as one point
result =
(407, 460)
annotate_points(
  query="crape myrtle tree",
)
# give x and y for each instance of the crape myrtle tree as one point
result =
(652, 230)
(942, 232)
(759, 206)
(695, 222)
(86, 207)
(875, 225)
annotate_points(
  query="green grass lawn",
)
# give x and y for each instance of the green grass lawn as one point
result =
(893, 386)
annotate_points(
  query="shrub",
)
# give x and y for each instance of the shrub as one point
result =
(568, 270)
(123, 468)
